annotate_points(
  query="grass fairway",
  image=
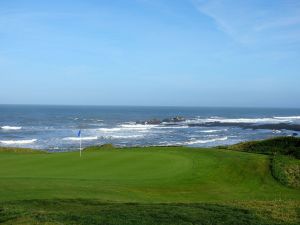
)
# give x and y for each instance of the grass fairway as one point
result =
(140, 185)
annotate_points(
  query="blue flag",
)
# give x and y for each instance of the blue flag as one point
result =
(79, 133)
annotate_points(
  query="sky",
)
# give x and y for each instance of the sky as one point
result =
(150, 52)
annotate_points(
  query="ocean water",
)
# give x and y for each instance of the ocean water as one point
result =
(55, 128)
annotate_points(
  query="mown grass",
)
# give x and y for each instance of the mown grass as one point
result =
(153, 185)
(157, 174)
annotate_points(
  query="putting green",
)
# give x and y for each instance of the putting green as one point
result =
(105, 165)
(173, 174)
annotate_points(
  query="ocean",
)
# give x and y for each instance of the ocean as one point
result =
(55, 128)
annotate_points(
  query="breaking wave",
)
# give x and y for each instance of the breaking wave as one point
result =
(18, 142)
(210, 131)
(137, 126)
(11, 128)
(127, 127)
(82, 138)
(287, 117)
(124, 136)
(109, 130)
(193, 141)
(267, 120)
(171, 127)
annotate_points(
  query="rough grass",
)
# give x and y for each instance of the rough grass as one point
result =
(20, 150)
(286, 169)
(280, 145)
(94, 212)
(100, 147)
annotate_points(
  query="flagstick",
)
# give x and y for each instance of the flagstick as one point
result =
(80, 145)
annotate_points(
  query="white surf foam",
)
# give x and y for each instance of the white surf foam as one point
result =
(124, 136)
(171, 127)
(193, 141)
(126, 128)
(17, 142)
(11, 128)
(287, 117)
(209, 131)
(109, 130)
(82, 138)
(138, 126)
(242, 120)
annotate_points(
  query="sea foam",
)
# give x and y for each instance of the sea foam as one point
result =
(17, 142)
(78, 138)
(192, 142)
(242, 120)
(134, 136)
(11, 128)
(209, 131)
(287, 117)
(138, 126)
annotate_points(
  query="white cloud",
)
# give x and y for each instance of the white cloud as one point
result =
(250, 22)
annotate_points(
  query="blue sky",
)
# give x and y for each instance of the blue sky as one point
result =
(150, 52)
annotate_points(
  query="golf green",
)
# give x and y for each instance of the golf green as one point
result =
(148, 175)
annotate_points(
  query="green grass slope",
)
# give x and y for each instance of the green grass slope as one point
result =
(140, 175)
(153, 185)
(285, 157)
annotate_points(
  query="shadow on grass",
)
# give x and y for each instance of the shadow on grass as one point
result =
(94, 212)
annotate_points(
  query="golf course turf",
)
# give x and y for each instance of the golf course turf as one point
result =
(150, 185)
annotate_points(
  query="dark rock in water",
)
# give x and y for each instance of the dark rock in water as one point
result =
(178, 119)
(167, 120)
(174, 120)
(295, 134)
(153, 121)
(157, 121)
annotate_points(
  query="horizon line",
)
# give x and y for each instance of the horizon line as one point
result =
(165, 106)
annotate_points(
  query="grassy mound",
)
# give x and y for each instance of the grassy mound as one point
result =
(285, 155)
(20, 150)
(281, 145)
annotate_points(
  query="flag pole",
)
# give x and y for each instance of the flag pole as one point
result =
(79, 135)
(80, 145)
